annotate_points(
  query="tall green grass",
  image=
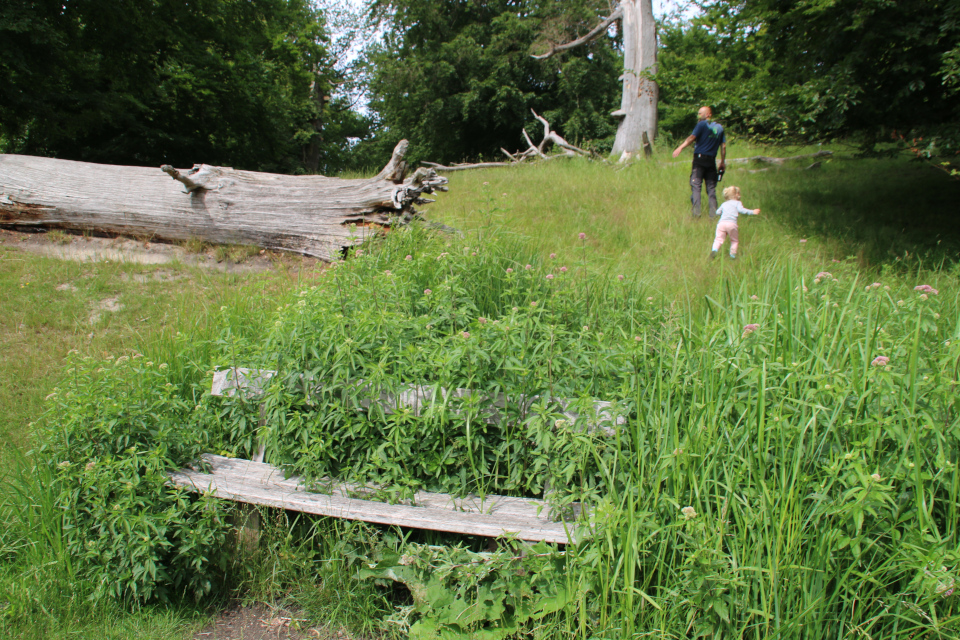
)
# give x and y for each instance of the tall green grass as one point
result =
(770, 481)
(787, 466)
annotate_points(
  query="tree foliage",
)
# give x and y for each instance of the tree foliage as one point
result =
(457, 79)
(819, 69)
(229, 82)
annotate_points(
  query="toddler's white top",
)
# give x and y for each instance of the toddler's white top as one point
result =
(730, 209)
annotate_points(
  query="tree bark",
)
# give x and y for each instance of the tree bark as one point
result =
(638, 100)
(313, 215)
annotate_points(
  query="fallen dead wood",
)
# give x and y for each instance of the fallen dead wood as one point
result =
(778, 161)
(767, 159)
(312, 215)
(462, 166)
(815, 165)
(533, 152)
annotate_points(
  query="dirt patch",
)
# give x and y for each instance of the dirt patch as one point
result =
(65, 287)
(160, 275)
(127, 250)
(110, 305)
(260, 622)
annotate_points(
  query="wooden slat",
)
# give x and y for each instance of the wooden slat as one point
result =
(251, 383)
(248, 471)
(262, 484)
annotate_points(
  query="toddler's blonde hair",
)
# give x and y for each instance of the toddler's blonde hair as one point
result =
(731, 193)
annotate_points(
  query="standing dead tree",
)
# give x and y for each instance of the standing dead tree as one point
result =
(313, 215)
(638, 101)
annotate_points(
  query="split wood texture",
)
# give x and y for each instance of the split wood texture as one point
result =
(312, 215)
(261, 484)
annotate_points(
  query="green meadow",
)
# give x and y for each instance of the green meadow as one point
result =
(785, 464)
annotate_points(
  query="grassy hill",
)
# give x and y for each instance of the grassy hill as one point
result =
(709, 521)
(638, 219)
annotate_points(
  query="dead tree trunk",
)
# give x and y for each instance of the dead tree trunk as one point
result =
(638, 100)
(312, 215)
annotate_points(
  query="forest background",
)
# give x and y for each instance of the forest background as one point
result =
(95, 543)
(299, 87)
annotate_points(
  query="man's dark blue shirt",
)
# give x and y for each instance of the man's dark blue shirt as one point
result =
(709, 137)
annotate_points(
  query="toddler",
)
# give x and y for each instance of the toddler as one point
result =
(727, 226)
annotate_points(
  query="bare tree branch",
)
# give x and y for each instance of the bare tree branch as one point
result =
(597, 30)
(554, 137)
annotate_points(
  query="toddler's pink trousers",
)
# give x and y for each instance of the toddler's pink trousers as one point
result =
(727, 228)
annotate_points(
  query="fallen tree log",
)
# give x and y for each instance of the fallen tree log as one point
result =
(535, 152)
(778, 161)
(312, 215)
(766, 159)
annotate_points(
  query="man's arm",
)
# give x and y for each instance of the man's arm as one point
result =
(686, 143)
(723, 155)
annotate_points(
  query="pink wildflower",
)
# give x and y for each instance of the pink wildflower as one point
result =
(509, 270)
(875, 285)
(482, 320)
(533, 304)
(926, 289)
(553, 256)
(387, 273)
(824, 274)
(750, 328)
(802, 240)
(466, 334)
(409, 257)
(582, 236)
(563, 269)
(754, 297)
(880, 361)
(549, 276)
(427, 292)
(528, 267)
(620, 277)
(637, 338)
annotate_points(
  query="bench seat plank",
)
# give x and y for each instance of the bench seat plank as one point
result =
(262, 484)
(490, 504)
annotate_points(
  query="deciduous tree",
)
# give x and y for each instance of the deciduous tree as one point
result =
(231, 82)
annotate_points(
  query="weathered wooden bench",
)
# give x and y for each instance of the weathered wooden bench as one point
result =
(255, 483)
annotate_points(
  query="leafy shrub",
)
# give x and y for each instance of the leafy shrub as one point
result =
(115, 431)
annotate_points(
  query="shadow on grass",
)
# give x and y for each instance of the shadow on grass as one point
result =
(884, 210)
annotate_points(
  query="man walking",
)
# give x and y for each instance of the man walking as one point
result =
(709, 138)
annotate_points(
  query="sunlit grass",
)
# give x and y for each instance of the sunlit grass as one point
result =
(751, 430)
(638, 219)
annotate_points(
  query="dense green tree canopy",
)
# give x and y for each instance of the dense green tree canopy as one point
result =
(232, 82)
(456, 76)
(819, 69)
